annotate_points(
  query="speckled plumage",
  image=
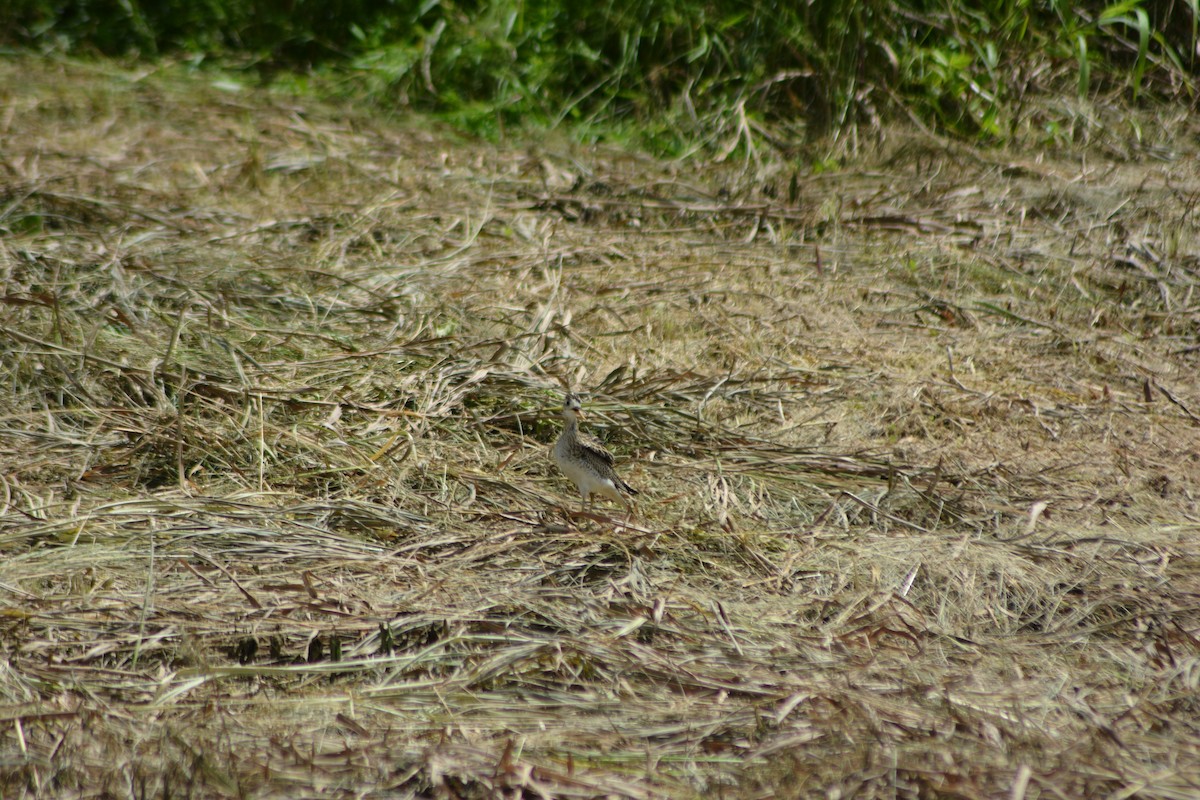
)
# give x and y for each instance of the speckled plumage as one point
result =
(585, 461)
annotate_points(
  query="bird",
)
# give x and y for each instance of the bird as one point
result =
(585, 461)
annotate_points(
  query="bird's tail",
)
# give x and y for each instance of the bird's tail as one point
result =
(628, 489)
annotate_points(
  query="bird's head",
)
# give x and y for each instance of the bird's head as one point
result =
(572, 408)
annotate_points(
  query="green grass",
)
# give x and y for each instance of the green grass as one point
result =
(736, 78)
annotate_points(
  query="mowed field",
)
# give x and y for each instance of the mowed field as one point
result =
(917, 441)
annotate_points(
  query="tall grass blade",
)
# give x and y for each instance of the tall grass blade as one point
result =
(1085, 69)
(1139, 68)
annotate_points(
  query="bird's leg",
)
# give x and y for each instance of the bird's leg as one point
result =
(572, 518)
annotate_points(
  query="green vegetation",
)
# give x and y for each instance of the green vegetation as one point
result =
(723, 73)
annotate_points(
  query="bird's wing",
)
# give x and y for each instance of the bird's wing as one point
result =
(592, 446)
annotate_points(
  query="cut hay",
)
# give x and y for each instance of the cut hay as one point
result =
(918, 455)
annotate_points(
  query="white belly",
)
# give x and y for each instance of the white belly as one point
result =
(589, 482)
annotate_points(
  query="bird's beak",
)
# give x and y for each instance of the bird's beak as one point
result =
(580, 415)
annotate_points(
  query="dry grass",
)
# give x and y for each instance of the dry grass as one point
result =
(918, 453)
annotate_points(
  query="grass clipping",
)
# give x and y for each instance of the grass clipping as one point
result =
(917, 446)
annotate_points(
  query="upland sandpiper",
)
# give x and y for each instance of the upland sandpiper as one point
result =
(585, 461)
